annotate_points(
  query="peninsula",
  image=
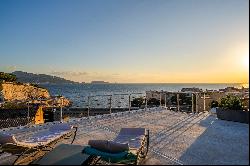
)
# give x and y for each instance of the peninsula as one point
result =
(26, 77)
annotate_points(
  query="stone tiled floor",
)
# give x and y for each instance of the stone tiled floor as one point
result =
(175, 138)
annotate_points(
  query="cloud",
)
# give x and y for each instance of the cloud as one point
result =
(69, 73)
(8, 69)
(88, 76)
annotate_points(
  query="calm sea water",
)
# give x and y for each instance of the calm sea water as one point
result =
(78, 93)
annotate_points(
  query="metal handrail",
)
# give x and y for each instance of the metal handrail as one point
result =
(198, 102)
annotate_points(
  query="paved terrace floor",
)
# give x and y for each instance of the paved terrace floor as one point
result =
(175, 138)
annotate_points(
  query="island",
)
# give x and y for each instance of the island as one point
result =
(99, 82)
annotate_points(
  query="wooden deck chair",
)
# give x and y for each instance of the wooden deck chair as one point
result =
(129, 147)
(27, 150)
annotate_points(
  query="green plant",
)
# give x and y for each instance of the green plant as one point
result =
(137, 102)
(153, 101)
(14, 105)
(231, 102)
(18, 83)
(183, 98)
(37, 86)
(7, 77)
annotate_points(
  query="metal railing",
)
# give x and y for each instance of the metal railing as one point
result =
(103, 104)
(108, 104)
(192, 102)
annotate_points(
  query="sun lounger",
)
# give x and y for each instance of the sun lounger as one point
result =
(40, 141)
(129, 147)
(64, 154)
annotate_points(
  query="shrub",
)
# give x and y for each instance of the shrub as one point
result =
(7, 77)
(14, 105)
(36, 85)
(231, 102)
(184, 98)
(153, 101)
(137, 102)
(18, 83)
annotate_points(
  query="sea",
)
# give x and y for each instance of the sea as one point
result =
(78, 93)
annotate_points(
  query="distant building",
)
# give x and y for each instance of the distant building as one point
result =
(230, 89)
(245, 90)
(191, 90)
(201, 105)
(153, 94)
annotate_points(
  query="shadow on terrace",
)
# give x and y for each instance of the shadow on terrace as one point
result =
(222, 143)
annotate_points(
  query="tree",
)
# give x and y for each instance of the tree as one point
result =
(7, 77)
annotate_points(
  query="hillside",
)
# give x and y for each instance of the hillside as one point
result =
(40, 78)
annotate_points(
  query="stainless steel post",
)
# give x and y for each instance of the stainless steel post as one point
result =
(192, 103)
(178, 104)
(160, 99)
(129, 102)
(110, 104)
(196, 99)
(165, 100)
(204, 102)
(61, 109)
(88, 105)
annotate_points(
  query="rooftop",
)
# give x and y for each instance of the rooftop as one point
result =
(175, 137)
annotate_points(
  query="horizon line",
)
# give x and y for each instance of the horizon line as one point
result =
(162, 82)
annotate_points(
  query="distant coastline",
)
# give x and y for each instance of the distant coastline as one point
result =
(45, 79)
(26, 77)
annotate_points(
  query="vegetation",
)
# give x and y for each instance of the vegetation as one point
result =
(137, 102)
(153, 102)
(7, 77)
(40, 78)
(14, 105)
(184, 99)
(231, 102)
(37, 86)
(140, 101)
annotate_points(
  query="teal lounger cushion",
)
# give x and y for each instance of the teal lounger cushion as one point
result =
(112, 157)
(109, 146)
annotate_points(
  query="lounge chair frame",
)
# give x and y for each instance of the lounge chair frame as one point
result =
(27, 154)
(140, 155)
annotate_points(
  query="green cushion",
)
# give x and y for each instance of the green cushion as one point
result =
(108, 146)
(112, 157)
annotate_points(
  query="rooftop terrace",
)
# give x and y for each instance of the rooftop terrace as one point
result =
(175, 138)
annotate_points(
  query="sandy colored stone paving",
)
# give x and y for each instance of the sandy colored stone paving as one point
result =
(175, 138)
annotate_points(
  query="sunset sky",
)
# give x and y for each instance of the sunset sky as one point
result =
(127, 41)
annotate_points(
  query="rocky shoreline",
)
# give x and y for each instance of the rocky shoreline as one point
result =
(15, 93)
